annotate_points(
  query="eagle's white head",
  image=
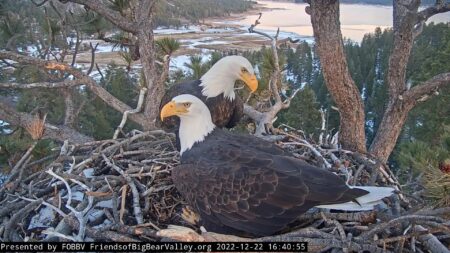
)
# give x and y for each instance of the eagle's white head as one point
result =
(222, 76)
(195, 119)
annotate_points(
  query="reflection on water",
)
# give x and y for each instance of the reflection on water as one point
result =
(356, 19)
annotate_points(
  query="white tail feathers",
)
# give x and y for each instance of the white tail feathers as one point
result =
(367, 202)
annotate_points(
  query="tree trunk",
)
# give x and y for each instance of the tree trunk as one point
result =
(70, 112)
(389, 130)
(330, 48)
(397, 110)
(143, 10)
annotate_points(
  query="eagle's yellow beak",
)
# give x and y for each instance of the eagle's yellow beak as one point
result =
(171, 109)
(250, 80)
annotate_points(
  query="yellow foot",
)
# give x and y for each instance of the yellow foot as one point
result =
(190, 216)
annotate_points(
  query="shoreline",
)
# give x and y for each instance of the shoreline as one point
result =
(217, 33)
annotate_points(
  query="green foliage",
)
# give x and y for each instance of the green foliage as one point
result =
(431, 54)
(120, 5)
(167, 45)
(14, 22)
(303, 113)
(31, 100)
(98, 119)
(300, 63)
(416, 156)
(11, 145)
(94, 24)
(197, 67)
(420, 158)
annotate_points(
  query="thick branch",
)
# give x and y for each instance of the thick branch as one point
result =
(425, 14)
(252, 113)
(47, 85)
(402, 100)
(91, 84)
(426, 89)
(62, 133)
(111, 15)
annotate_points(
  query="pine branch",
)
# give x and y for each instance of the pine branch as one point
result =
(102, 93)
(62, 133)
(111, 15)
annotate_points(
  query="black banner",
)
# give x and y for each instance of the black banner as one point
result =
(154, 246)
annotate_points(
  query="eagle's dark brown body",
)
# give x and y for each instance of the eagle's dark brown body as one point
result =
(241, 184)
(224, 112)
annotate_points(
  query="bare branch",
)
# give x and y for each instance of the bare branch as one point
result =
(111, 15)
(125, 114)
(287, 102)
(251, 29)
(93, 48)
(425, 90)
(136, 206)
(47, 85)
(425, 14)
(264, 121)
(103, 94)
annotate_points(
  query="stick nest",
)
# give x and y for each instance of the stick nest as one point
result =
(120, 190)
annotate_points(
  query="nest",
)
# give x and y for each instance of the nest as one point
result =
(120, 190)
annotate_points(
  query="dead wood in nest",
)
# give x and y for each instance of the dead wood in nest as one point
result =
(120, 190)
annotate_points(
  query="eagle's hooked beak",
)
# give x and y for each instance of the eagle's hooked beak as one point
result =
(250, 80)
(171, 109)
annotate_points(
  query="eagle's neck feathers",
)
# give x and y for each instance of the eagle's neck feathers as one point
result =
(217, 81)
(194, 129)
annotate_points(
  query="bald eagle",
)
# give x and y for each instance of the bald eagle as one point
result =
(244, 185)
(216, 89)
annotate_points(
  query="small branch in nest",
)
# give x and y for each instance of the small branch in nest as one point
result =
(56, 209)
(394, 222)
(125, 114)
(136, 206)
(430, 241)
(322, 129)
(305, 143)
(15, 219)
(80, 215)
(339, 228)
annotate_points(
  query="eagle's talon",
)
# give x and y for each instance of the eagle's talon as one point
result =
(190, 216)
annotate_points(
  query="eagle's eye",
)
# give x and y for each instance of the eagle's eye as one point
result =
(244, 70)
(187, 104)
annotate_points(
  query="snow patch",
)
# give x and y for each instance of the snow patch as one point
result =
(178, 62)
(189, 29)
(43, 218)
(105, 204)
(88, 173)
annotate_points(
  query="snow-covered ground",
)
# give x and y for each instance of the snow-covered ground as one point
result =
(178, 62)
(189, 29)
(194, 43)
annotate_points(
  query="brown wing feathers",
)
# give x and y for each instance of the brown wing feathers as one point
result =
(238, 189)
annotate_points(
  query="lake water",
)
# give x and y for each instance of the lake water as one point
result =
(356, 19)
